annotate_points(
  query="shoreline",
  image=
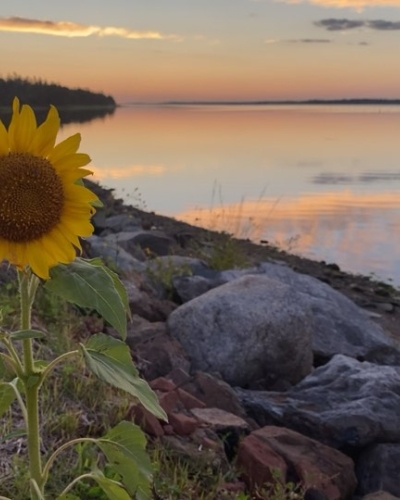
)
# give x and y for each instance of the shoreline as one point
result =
(381, 300)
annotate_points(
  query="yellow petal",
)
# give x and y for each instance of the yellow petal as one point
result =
(13, 127)
(74, 193)
(4, 250)
(75, 160)
(4, 147)
(39, 259)
(58, 246)
(26, 129)
(67, 147)
(71, 236)
(46, 134)
(70, 176)
(79, 227)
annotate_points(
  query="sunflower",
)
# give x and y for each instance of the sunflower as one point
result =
(44, 207)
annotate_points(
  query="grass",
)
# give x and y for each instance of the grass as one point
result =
(74, 403)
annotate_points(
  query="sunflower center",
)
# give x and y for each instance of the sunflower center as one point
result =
(31, 197)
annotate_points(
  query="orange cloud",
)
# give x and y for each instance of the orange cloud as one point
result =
(352, 4)
(70, 29)
(127, 172)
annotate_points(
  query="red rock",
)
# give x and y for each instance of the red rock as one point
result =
(182, 424)
(169, 401)
(146, 421)
(162, 384)
(189, 401)
(258, 463)
(219, 419)
(317, 466)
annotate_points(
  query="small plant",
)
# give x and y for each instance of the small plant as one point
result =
(44, 209)
(163, 271)
(225, 254)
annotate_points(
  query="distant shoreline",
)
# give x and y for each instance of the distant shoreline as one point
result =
(307, 102)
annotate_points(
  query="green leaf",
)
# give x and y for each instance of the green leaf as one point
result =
(111, 361)
(7, 396)
(125, 449)
(26, 334)
(119, 286)
(90, 285)
(111, 488)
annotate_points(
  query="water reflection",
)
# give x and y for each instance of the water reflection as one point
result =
(331, 176)
(344, 227)
(67, 114)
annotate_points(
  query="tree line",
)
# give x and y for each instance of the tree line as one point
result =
(37, 93)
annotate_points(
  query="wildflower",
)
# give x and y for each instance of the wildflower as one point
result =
(44, 208)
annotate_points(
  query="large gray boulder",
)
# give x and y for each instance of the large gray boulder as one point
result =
(339, 325)
(346, 404)
(254, 331)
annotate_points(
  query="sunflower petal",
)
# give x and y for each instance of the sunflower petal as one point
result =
(75, 160)
(39, 259)
(58, 246)
(79, 194)
(46, 134)
(4, 147)
(13, 127)
(80, 227)
(26, 129)
(67, 147)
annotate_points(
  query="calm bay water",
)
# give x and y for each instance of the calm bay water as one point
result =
(321, 181)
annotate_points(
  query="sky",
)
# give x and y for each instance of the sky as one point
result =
(161, 50)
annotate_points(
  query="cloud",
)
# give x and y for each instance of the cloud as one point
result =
(352, 4)
(311, 40)
(331, 178)
(334, 24)
(128, 171)
(71, 30)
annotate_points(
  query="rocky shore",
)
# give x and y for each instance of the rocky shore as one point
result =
(282, 365)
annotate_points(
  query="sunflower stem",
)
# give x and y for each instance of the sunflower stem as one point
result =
(31, 381)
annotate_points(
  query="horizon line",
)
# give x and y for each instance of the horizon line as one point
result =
(197, 102)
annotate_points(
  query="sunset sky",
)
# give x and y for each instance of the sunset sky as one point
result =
(156, 50)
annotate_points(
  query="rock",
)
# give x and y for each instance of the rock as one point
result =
(153, 242)
(214, 392)
(221, 421)
(378, 469)
(122, 222)
(112, 254)
(155, 352)
(250, 330)
(346, 404)
(380, 495)
(229, 427)
(314, 465)
(190, 287)
(340, 327)
(146, 420)
(145, 305)
(182, 424)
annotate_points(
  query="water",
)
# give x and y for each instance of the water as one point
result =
(321, 181)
